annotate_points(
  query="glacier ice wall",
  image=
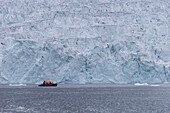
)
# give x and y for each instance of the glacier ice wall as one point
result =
(85, 41)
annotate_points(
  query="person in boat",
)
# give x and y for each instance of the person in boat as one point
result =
(52, 82)
(47, 83)
(44, 82)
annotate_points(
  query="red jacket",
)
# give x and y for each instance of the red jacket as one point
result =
(47, 83)
(44, 82)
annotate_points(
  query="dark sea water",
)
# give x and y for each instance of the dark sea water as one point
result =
(85, 99)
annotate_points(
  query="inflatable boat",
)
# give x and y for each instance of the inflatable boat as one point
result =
(48, 84)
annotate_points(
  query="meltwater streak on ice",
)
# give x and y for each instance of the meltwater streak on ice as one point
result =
(85, 41)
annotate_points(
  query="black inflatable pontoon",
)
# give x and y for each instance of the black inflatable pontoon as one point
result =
(48, 84)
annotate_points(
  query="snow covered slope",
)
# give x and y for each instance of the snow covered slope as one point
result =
(85, 41)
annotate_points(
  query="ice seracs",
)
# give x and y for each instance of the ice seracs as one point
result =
(84, 41)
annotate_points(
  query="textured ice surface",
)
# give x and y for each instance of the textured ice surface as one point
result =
(85, 41)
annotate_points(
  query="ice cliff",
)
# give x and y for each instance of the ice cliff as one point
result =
(85, 41)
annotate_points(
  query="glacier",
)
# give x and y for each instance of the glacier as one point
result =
(85, 41)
